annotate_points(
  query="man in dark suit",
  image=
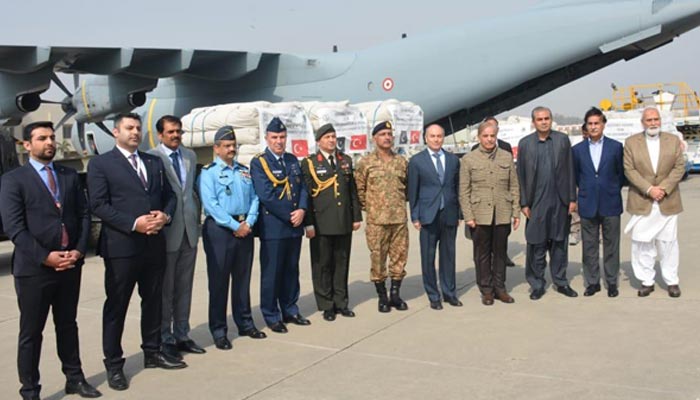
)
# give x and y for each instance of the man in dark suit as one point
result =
(503, 145)
(335, 213)
(46, 217)
(433, 183)
(600, 174)
(130, 193)
(283, 198)
(547, 198)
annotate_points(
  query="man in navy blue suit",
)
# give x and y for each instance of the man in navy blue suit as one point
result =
(46, 217)
(130, 193)
(283, 198)
(433, 181)
(600, 175)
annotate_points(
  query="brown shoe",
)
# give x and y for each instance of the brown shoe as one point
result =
(645, 291)
(487, 299)
(505, 297)
(674, 291)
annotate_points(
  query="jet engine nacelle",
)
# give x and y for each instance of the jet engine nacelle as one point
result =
(19, 93)
(14, 107)
(100, 97)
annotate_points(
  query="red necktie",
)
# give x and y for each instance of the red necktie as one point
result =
(52, 187)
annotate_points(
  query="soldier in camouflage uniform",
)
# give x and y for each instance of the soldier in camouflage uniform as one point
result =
(381, 179)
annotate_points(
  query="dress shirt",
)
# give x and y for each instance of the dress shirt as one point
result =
(596, 150)
(227, 190)
(182, 171)
(44, 174)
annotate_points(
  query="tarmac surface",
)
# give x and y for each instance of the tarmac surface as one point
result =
(555, 348)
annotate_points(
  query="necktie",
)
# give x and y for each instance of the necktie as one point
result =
(281, 160)
(136, 165)
(57, 199)
(441, 176)
(330, 160)
(176, 165)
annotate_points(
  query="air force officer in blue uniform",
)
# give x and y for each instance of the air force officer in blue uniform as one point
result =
(231, 209)
(283, 202)
(433, 180)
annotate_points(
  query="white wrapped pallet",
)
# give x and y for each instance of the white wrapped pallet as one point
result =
(246, 153)
(300, 136)
(202, 123)
(349, 122)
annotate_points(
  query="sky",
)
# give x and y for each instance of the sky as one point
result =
(312, 26)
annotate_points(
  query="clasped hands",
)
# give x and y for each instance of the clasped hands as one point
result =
(151, 223)
(61, 260)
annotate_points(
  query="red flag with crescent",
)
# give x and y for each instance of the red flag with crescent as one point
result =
(300, 148)
(415, 137)
(358, 142)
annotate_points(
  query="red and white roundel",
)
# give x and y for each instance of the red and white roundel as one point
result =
(388, 84)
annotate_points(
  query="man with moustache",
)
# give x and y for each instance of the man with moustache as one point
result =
(131, 195)
(181, 238)
(547, 199)
(45, 215)
(600, 175)
(333, 215)
(231, 209)
(433, 180)
(654, 167)
(382, 180)
(278, 182)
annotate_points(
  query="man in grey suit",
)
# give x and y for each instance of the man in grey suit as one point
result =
(433, 179)
(547, 198)
(181, 238)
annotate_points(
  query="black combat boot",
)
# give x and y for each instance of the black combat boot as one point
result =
(396, 301)
(383, 299)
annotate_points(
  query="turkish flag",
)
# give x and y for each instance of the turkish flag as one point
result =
(415, 137)
(358, 142)
(300, 148)
(515, 152)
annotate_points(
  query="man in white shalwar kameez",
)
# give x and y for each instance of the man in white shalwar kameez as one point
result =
(654, 167)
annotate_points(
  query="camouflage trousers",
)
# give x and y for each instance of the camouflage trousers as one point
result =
(387, 240)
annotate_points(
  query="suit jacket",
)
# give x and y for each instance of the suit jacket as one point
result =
(502, 144)
(565, 179)
(276, 205)
(332, 211)
(33, 222)
(186, 216)
(425, 189)
(641, 176)
(599, 192)
(117, 197)
(488, 189)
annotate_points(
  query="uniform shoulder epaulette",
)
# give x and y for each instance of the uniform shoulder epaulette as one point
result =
(209, 165)
(243, 167)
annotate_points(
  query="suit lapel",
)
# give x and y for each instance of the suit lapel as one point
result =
(170, 168)
(588, 159)
(119, 157)
(151, 174)
(430, 164)
(38, 181)
(646, 159)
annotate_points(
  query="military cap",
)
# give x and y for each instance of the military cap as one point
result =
(381, 126)
(276, 126)
(323, 130)
(225, 133)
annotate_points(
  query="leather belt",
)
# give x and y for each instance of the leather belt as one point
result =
(239, 218)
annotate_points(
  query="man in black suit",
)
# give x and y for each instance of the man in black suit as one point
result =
(547, 198)
(45, 215)
(503, 145)
(130, 193)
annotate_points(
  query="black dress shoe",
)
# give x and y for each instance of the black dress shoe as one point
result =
(591, 290)
(117, 380)
(82, 389)
(509, 262)
(160, 360)
(223, 343)
(253, 333)
(537, 294)
(278, 327)
(567, 291)
(296, 320)
(329, 315)
(346, 312)
(436, 305)
(645, 291)
(189, 346)
(171, 350)
(612, 291)
(454, 302)
(674, 291)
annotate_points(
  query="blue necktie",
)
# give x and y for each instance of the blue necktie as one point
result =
(441, 176)
(176, 165)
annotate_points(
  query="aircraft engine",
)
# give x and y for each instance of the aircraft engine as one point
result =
(19, 94)
(12, 108)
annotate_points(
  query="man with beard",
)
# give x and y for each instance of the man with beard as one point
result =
(654, 167)
(46, 217)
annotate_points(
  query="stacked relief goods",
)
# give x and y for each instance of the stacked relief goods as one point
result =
(352, 123)
(406, 117)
